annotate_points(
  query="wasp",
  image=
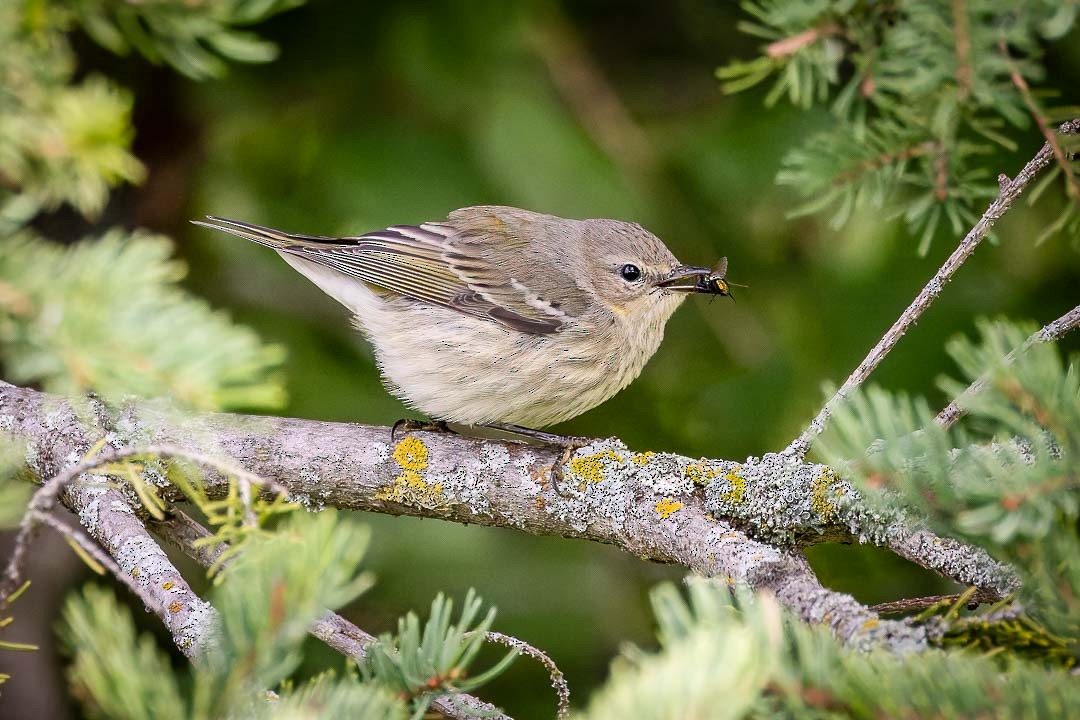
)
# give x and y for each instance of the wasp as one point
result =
(715, 282)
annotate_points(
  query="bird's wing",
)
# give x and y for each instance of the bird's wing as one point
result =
(446, 264)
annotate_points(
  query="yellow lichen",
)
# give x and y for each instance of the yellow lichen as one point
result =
(411, 454)
(737, 488)
(700, 473)
(642, 459)
(590, 468)
(175, 607)
(409, 487)
(667, 507)
(167, 585)
(871, 624)
(823, 488)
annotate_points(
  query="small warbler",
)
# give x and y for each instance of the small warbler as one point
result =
(500, 317)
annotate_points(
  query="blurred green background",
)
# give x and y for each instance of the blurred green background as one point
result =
(398, 112)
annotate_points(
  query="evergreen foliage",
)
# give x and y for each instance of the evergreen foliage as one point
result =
(920, 91)
(731, 656)
(108, 315)
(422, 662)
(1006, 478)
(271, 594)
(195, 38)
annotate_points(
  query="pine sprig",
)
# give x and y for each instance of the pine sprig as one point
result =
(107, 315)
(119, 674)
(194, 38)
(425, 660)
(921, 90)
(732, 655)
(60, 142)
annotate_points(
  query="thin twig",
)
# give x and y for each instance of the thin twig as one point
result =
(1009, 192)
(1072, 189)
(592, 98)
(885, 159)
(101, 557)
(44, 499)
(907, 605)
(558, 680)
(965, 74)
(1049, 332)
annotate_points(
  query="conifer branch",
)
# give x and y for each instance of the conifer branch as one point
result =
(1048, 333)
(182, 531)
(651, 505)
(1010, 190)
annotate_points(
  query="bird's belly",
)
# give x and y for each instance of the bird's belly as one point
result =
(472, 371)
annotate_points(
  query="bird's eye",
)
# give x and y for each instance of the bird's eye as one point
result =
(630, 272)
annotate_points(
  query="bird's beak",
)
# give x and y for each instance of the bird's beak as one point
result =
(689, 279)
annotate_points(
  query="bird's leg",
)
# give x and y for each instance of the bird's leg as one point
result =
(569, 444)
(409, 425)
(544, 437)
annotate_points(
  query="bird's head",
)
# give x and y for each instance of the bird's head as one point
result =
(633, 274)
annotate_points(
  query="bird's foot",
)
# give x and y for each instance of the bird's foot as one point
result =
(570, 445)
(411, 425)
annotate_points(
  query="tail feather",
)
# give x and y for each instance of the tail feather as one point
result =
(262, 235)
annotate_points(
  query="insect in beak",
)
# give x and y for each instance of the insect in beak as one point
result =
(691, 279)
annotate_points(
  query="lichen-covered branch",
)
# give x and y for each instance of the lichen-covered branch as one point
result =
(740, 521)
(106, 514)
(1010, 190)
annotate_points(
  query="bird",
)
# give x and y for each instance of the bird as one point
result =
(500, 317)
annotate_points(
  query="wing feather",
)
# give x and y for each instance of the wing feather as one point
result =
(436, 263)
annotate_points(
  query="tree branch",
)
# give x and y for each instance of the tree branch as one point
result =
(1009, 192)
(1072, 189)
(108, 516)
(661, 507)
(1049, 332)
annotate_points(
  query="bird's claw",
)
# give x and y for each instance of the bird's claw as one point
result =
(412, 425)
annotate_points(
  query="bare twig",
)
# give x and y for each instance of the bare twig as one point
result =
(44, 499)
(1072, 188)
(558, 681)
(908, 605)
(592, 98)
(1009, 192)
(1049, 332)
(965, 74)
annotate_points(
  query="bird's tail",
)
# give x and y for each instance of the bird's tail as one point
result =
(263, 235)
